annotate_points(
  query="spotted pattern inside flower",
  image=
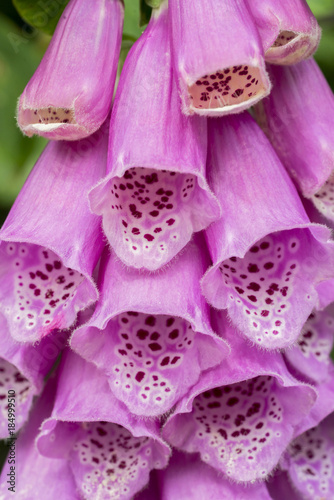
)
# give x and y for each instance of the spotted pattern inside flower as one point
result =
(323, 199)
(237, 425)
(311, 356)
(49, 116)
(43, 287)
(310, 342)
(151, 350)
(109, 463)
(284, 38)
(155, 211)
(312, 463)
(262, 285)
(226, 87)
(11, 379)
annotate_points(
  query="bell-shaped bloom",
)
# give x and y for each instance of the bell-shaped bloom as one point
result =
(150, 333)
(267, 256)
(51, 242)
(22, 372)
(218, 56)
(288, 29)
(69, 96)
(298, 118)
(36, 476)
(188, 478)
(309, 463)
(108, 451)
(241, 415)
(311, 356)
(156, 193)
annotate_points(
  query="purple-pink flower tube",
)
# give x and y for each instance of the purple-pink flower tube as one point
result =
(241, 415)
(150, 333)
(298, 118)
(22, 372)
(267, 256)
(107, 450)
(70, 94)
(153, 197)
(51, 242)
(288, 29)
(218, 56)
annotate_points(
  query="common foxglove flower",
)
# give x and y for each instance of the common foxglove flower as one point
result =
(153, 198)
(218, 56)
(298, 118)
(309, 462)
(288, 29)
(150, 333)
(35, 474)
(108, 451)
(70, 94)
(51, 242)
(241, 415)
(22, 370)
(267, 256)
(311, 356)
(189, 478)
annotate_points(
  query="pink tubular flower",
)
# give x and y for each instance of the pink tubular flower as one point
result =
(241, 415)
(22, 372)
(153, 197)
(150, 333)
(51, 242)
(70, 94)
(108, 451)
(288, 29)
(218, 57)
(267, 256)
(298, 118)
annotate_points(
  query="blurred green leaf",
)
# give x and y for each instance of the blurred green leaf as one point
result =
(145, 12)
(19, 57)
(43, 14)
(321, 8)
(131, 18)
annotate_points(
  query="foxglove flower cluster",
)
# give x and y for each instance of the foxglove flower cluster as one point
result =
(166, 249)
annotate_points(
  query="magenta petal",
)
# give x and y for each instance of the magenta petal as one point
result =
(311, 461)
(70, 94)
(150, 333)
(299, 114)
(187, 478)
(311, 356)
(22, 369)
(241, 415)
(268, 260)
(218, 57)
(152, 200)
(51, 241)
(107, 448)
(289, 31)
(35, 475)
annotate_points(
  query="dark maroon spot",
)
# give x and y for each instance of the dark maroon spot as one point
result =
(214, 404)
(232, 401)
(148, 237)
(264, 245)
(165, 361)
(154, 213)
(252, 298)
(174, 334)
(170, 222)
(41, 275)
(170, 321)
(239, 290)
(223, 433)
(125, 224)
(268, 265)
(157, 230)
(155, 336)
(154, 346)
(135, 230)
(175, 360)
(217, 392)
(139, 376)
(264, 313)
(150, 320)
(100, 431)
(252, 268)
(49, 267)
(142, 334)
(254, 286)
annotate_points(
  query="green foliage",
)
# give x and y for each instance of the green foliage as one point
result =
(42, 14)
(321, 8)
(19, 58)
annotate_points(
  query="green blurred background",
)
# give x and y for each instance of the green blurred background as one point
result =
(21, 49)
